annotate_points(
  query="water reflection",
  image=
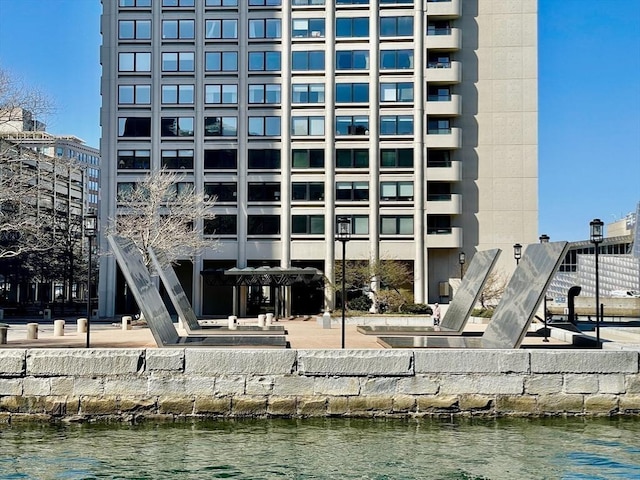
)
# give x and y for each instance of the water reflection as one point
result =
(326, 449)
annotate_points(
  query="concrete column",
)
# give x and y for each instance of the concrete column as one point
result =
(32, 331)
(126, 322)
(58, 328)
(82, 325)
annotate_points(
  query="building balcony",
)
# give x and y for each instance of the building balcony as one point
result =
(444, 138)
(450, 173)
(450, 204)
(450, 105)
(444, 39)
(444, 8)
(444, 238)
(444, 72)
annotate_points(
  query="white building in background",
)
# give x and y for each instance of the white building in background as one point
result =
(417, 119)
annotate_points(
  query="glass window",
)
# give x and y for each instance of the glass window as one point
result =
(134, 127)
(399, 191)
(442, 27)
(438, 126)
(177, 62)
(220, 126)
(396, 158)
(307, 224)
(310, 191)
(307, 93)
(396, 125)
(359, 224)
(225, 159)
(396, 92)
(221, 225)
(264, 3)
(176, 126)
(178, 3)
(438, 60)
(307, 28)
(264, 192)
(221, 61)
(178, 29)
(215, 94)
(227, 29)
(392, 2)
(352, 191)
(396, 225)
(265, 28)
(177, 159)
(307, 2)
(180, 94)
(134, 94)
(352, 92)
(222, 191)
(352, 27)
(264, 61)
(438, 158)
(396, 26)
(352, 158)
(396, 59)
(312, 158)
(307, 126)
(264, 126)
(221, 3)
(134, 159)
(135, 3)
(134, 62)
(134, 29)
(264, 93)
(264, 159)
(352, 125)
(436, 93)
(352, 60)
(263, 224)
(303, 61)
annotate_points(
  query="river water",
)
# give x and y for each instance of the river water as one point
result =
(326, 449)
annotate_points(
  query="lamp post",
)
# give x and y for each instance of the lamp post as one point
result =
(544, 238)
(517, 252)
(90, 229)
(461, 259)
(596, 238)
(343, 235)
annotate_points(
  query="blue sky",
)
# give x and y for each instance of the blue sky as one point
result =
(589, 95)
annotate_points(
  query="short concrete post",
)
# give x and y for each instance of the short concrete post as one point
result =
(269, 319)
(126, 322)
(46, 314)
(233, 322)
(261, 319)
(3, 333)
(58, 328)
(326, 320)
(32, 331)
(82, 325)
(1, 314)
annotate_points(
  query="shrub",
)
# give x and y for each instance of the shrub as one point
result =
(417, 308)
(482, 312)
(362, 303)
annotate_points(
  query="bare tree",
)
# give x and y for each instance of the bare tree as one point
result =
(161, 212)
(20, 102)
(493, 290)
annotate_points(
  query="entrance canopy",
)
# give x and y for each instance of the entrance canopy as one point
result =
(273, 276)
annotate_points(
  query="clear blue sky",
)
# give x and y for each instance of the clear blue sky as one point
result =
(589, 95)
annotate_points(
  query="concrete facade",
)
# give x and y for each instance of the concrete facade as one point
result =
(174, 384)
(451, 86)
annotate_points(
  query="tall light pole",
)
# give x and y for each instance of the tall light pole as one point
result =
(461, 259)
(544, 238)
(517, 252)
(344, 235)
(90, 230)
(596, 238)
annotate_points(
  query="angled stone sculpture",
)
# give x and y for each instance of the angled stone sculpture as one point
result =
(185, 311)
(460, 308)
(516, 310)
(148, 298)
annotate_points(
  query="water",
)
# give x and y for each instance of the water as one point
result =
(326, 449)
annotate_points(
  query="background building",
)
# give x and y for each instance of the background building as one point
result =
(416, 119)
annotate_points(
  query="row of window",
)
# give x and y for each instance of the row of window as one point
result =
(270, 61)
(399, 125)
(271, 28)
(301, 93)
(269, 159)
(254, 3)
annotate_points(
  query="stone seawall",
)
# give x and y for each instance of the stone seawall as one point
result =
(173, 384)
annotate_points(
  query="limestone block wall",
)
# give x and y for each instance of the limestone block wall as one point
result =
(138, 384)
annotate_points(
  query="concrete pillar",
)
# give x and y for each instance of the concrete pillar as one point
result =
(126, 322)
(58, 328)
(46, 314)
(82, 325)
(3, 334)
(268, 319)
(261, 319)
(32, 331)
(233, 322)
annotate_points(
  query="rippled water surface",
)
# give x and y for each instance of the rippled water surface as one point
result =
(326, 449)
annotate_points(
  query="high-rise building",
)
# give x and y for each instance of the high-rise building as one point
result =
(416, 119)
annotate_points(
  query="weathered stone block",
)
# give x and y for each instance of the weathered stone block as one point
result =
(582, 361)
(259, 385)
(138, 404)
(404, 403)
(428, 403)
(561, 403)
(580, 383)
(199, 386)
(13, 404)
(36, 386)
(418, 385)
(338, 405)
(355, 362)
(230, 385)
(336, 386)
(482, 384)
(176, 405)
(248, 406)
(213, 405)
(293, 385)
(132, 386)
(282, 406)
(471, 361)
(88, 386)
(475, 402)
(632, 383)
(516, 404)
(12, 362)
(11, 386)
(61, 385)
(613, 383)
(239, 361)
(543, 384)
(98, 405)
(370, 406)
(312, 407)
(165, 359)
(77, 362)
(167, 384)
(601, 404)
(630, 404)
(378, 386)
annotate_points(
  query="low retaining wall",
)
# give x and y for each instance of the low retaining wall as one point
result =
(134, 384)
